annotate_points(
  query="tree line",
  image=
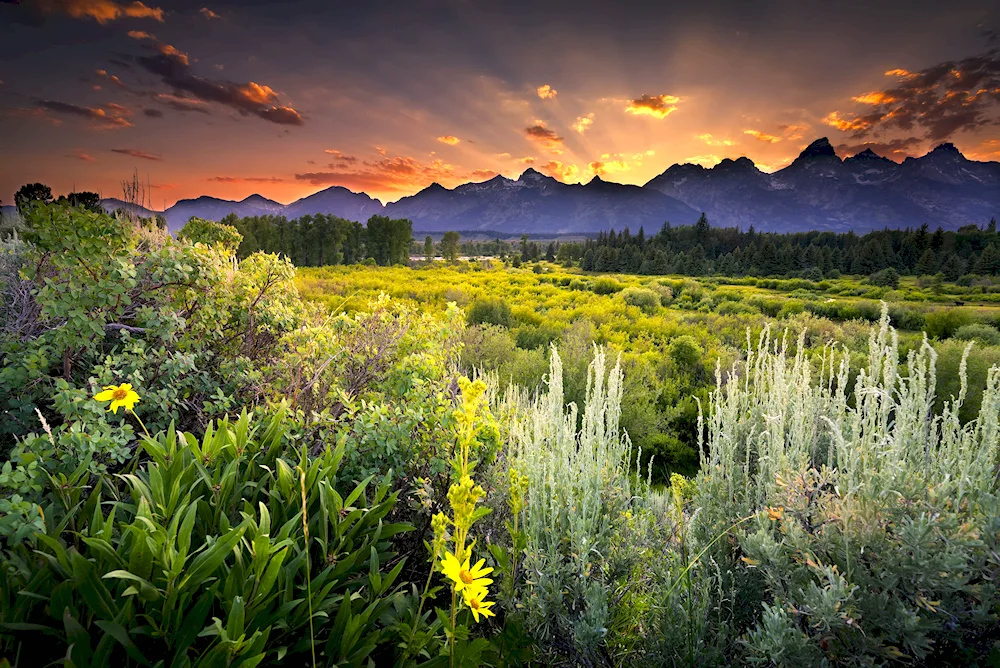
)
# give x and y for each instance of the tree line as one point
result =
(320, 240)
(701, 249)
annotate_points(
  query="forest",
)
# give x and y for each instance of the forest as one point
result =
(215, 457)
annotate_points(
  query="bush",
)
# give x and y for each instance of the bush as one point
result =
(490, 311)
(978, 332)
(647, 300)
(685, 351)
(943, 323)
(605, 286)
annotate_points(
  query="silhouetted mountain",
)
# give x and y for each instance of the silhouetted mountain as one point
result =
(818, 190)
(536, 203)
(336, 201)
(112, 204)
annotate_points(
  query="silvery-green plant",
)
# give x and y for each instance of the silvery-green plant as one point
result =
(880, 535)
(578, 484)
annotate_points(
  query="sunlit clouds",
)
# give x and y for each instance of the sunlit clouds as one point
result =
(142, 155)
(102, 11)
(762, 136)
(713, 141)
(563, 172)
(583, 123)
(657, 106)
(450, 140)
(546, 92)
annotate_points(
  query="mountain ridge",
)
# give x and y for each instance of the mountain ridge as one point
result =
(818, 190)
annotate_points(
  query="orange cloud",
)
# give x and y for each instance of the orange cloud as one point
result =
(875, 97)
(793, 132)
(80, 155)
(101, 11)
(609, 164)
(546, 92)
(108, 117)
(544, 137)
(340, 156)
(558, 170)
(712, 141)
(762, 136)
(583, 123)
(388, 176)
(208, 13)
(450, 140)
(833, 119)
(110, 77)
(482, 174)
(657, 106)
(246, 179)
(901, 73)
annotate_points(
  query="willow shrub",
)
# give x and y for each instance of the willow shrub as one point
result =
(882, 537)
(213, 552)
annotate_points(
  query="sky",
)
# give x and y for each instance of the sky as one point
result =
(233, 97)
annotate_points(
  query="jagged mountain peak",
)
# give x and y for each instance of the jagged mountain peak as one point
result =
(821, 148)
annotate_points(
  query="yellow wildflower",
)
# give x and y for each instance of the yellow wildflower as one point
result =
(472, 580)
(775, 514)
(478, 605)
(120, 396)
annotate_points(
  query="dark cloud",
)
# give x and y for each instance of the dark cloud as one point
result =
(153, 113)
(108, 116)
(174, 69)
(137, 154)
(940, 100)
(544, 137)
(896, 148)
(208, 13)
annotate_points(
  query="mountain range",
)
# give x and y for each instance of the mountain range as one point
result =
(817, 191)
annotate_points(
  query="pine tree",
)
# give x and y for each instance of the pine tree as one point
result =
(927, 265)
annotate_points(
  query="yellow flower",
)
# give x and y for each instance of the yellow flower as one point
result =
(120, 396)
(775, 514)
(478, 605)
(466, 579)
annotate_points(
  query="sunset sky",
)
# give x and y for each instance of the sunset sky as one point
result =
(285, 98)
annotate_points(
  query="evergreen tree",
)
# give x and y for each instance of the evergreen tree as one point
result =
(429, 248)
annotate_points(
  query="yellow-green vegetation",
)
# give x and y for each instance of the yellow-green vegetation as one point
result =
(468, 464)
(670, 331)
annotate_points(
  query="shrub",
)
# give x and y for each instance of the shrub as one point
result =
(490, 311)
(685, 351)
(979, 332)
(647, 300)
(605, 286)
(943, 323)
(577, 483)
(810, 482)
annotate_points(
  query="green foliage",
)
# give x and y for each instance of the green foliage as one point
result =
(103, 300)
(490, 312)
(647, 300)
(985, 334)
(201, 557)
(210, 233)
(450, 245)
(605, 286)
